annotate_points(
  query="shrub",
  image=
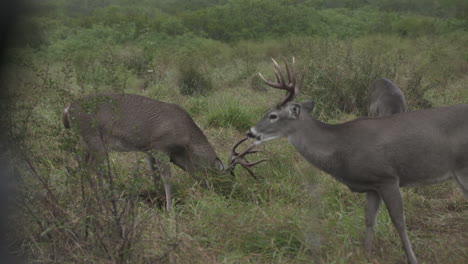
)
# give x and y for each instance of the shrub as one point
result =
(192, 81)
(340, 74)
(101, 69)
(256, 83)
(415, 91)
(231, 114)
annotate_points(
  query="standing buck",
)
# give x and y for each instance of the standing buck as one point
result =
(127, 122)
(374, 155)
(385, 99)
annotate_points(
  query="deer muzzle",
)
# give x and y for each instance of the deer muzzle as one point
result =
(251, 133)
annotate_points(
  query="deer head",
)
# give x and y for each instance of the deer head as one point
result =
(279, 121)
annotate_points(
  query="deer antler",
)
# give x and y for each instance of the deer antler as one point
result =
(291, 87)
(239, 158)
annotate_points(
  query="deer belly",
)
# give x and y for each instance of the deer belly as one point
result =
(360, 188)
(121, 145)
(426, 180)
(357, 185)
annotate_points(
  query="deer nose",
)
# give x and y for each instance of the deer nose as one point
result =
(251, 133)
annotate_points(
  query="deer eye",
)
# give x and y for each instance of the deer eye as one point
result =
(273, 116)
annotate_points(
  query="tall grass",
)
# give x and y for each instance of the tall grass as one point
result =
(291, 214)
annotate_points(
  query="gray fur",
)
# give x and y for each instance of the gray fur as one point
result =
(379, 155)
(385, 99)
(127, 122)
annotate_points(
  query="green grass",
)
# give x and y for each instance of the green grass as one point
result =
(292, 214)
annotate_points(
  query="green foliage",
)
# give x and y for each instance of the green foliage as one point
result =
(101, 70)
(230, 114)
(192, 81)
(253, 234)
(415, 91)
(239, 20)
(339, 74)
(216, 48)
(257, 84)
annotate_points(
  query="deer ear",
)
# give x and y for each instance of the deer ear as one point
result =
(295, 110)
(308, 105)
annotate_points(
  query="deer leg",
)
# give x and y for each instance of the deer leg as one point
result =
(462, 179)
(372, 207)
(101, 163)
(165, 171)
(161, 170)
(150, 161)
(93, 157)
(392, 198)
(94, 164)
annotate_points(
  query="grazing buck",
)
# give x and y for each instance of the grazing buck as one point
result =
(128, 122)
(375, 156)
(385, 99)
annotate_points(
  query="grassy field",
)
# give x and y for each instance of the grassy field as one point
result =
(293, 213)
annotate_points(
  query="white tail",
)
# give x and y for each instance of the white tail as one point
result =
(377, 156)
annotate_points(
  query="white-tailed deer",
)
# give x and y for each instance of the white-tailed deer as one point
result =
(128, 122)
(375, 156)
(385, 99)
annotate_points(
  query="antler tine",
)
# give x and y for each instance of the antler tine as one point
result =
(238, 143)
(276, 63)
(279, 78)
(250, 172)
(298, 87)
(247, 151)
(248, 165)
(291, 87)
(291, 75)
(279, 73)
(239, 158)
(272, 84)
(233, 150)
(255, 162)
(302, 81)
(255, 151)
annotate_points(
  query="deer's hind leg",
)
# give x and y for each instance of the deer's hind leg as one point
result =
(93, 157)
(461, 177)
(392, 197)
(373, 201)
(161, 169)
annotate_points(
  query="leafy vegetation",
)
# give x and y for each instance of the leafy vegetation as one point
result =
(205, 55)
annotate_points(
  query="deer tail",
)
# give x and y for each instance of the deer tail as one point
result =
(66, 116)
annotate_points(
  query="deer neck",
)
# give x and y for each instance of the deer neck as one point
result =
(316, 142)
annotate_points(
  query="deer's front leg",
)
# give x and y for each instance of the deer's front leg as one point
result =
(161, 170)
(372, 207)
(392, 198)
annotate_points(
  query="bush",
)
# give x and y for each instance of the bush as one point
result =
(231, 115)
(192, 81)
(415, 91)
(340, 73)
(256, 83)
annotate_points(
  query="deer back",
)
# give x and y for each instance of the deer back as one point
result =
(385, 99)
(127, 122)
